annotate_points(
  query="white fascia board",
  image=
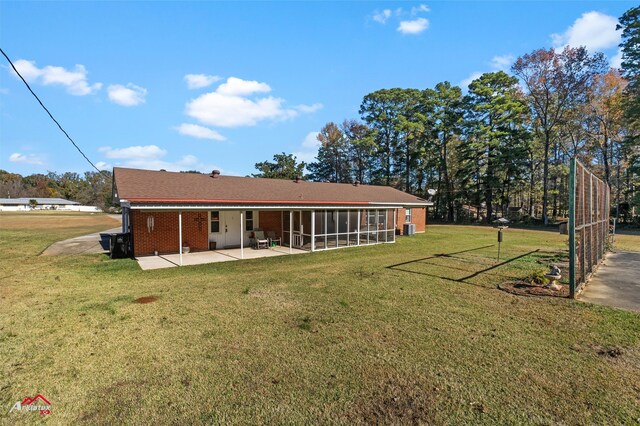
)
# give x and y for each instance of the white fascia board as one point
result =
(424, 204)
(262, 207)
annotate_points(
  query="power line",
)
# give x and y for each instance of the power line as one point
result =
(50, 115)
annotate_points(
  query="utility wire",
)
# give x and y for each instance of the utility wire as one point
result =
(50, 115)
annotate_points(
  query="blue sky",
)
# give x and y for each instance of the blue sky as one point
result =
(203, 85)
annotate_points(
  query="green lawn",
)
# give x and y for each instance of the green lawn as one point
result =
(340, 337)
(627, 241)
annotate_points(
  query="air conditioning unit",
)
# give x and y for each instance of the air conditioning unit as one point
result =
(409, 229)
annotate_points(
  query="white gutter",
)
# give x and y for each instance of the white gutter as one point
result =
(270, 207)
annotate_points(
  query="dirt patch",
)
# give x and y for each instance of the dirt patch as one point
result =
(273, 297)
(612, 352)
(395, 402)
(523, 288)
(113, 403)
(146, 299)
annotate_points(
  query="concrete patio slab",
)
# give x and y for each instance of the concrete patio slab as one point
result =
(616, 283)
(200, 258)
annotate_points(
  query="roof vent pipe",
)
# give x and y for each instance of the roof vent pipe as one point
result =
(297, 179)
(215, 173)
(356, 183)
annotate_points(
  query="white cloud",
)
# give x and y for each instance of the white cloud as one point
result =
(32, 159)
(75, 81)
(415, 26)
(129, 95)
(234, 111)
(502, 62)
(188, 160)
(150, 157)
(309, 108)
(616, 60)
(419, 9)
(133, 152)
(308, 148)
(237, 87)
(311, 141)
(231, 105)
(497, 63)
(593, 30)
(382, 17)
(464, 84)
(198, 81)
(199, 132)
(103, 165)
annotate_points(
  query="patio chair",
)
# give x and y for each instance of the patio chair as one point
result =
(258, 240)
(271, 235)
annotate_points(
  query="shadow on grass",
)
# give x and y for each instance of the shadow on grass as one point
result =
(398, 266)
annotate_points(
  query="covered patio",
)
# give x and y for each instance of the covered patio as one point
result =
(214, 256)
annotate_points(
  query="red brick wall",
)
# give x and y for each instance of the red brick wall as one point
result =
(418, 216)
(164, 237)
(270, 220)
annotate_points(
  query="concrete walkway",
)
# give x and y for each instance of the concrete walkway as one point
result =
(86, 244)
(616, 283)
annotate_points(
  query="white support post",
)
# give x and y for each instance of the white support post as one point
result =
(290, 231)
(366, 217)
(241, 235)
(386, 225)
(395, 223)
(358, 230)
(313, 230)
(180, 233)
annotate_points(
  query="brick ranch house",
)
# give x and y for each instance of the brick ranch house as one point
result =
(165, 211)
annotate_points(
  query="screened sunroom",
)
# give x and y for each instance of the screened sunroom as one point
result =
(315, 230)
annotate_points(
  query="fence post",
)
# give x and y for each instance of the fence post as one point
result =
(572, 228)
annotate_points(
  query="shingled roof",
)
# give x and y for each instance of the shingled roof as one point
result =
(144, 187)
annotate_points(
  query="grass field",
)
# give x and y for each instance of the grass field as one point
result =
(414, 332)
(627, 241)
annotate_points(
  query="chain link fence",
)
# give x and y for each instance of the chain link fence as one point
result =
(588, 224)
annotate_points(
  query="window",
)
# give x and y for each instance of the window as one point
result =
(407, 216)
(248, 222)
(215, 221)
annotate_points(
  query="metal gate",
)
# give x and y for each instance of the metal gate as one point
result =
(588, 224)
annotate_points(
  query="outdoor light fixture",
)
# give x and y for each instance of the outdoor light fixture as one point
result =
(501, 224)
(150, 223)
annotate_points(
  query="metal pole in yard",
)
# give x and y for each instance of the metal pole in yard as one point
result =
(572, 228)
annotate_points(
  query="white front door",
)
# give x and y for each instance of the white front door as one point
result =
(231, 227)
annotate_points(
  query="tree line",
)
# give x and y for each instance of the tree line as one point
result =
(502, 147)
(91, 188)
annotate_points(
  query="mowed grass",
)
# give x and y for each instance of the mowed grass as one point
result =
(412, 332)
(627, 241)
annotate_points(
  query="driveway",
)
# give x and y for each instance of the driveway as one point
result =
(616, 283)
(86, 244)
